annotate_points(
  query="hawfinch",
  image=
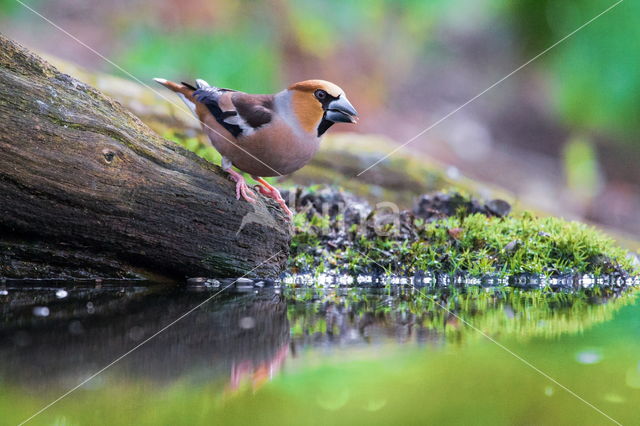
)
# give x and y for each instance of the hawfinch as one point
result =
(265, 135)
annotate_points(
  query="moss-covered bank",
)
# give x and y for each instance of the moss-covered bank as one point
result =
(457, 235)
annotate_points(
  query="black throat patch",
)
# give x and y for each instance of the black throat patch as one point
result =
(325, 124)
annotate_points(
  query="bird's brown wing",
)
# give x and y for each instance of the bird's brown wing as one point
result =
(240, 113)
(255, 110)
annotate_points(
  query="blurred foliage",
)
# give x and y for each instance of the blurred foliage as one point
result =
(241, 60)
(195, 145)
(249, 45)
(595, 73)
(8, 6)
(581, 167)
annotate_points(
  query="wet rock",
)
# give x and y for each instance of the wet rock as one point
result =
(331, 202)
(435, 206)
(265, 283)
(498, 207)
(513, 246)
(212, 283)
(607, 265)
(328, 201)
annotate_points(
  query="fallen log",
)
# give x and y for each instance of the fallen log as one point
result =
(88, 190)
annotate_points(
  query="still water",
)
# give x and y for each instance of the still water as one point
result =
(339, 356)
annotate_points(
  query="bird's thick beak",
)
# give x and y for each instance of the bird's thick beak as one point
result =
(341, 111)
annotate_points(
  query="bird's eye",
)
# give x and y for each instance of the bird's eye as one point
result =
(320, 94)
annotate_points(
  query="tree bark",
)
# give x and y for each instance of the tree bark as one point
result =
(88, 190)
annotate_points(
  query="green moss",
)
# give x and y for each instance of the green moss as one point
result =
(473, 244)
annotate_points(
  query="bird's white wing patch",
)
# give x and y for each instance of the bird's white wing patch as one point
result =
(246, 129)
(200, 83)
(235, 120)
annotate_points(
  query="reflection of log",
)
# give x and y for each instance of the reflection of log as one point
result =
(71, 343)
(86, 189)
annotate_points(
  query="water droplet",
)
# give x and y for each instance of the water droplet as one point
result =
(549, 391)
(632, 378)
(22, 338)
(75, 327)
(589, 356)
(90, 308)
(247, 323)
(614, 398)
(62, 293)
(334, 399)
(375, 404)
(453, 173)
(136, 333)
(41, 311)
(4, 292)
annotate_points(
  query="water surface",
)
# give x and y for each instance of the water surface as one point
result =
(305, 356)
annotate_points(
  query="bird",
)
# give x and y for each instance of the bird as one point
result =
(265, 135)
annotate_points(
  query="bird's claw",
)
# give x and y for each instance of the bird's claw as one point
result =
(275, 194)
(262, 190)
(242, 189)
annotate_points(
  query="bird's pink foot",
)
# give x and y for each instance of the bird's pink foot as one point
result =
(242, 189)
(272, 192)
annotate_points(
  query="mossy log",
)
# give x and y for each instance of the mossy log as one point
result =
(88, 190)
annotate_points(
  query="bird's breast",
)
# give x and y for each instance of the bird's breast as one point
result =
(273, 150)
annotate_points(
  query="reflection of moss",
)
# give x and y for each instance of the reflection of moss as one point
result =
(458, 314)
(522, 313)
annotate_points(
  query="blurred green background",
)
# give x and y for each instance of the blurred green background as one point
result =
(561, 134)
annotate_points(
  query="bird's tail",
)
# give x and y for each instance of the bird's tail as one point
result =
(183, 90)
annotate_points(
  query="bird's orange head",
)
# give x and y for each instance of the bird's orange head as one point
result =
(318, 104)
